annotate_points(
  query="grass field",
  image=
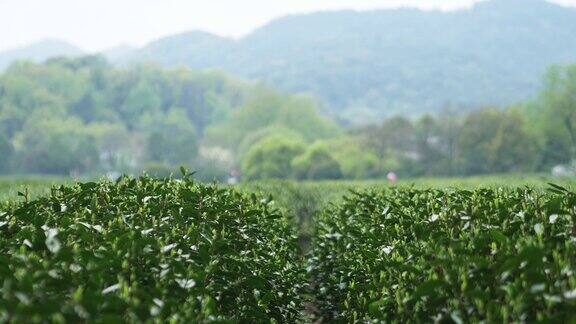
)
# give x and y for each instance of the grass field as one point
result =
(38, 185)
(34, 186)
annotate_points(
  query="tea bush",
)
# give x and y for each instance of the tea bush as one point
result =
(144, 250)
(408, 255)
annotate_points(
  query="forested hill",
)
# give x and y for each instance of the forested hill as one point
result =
(39, 51)
(380, 63)
(394, 61)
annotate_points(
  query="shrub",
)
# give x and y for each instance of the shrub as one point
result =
(406, 255)
(147, 250)
(316, 164)
(270, 158)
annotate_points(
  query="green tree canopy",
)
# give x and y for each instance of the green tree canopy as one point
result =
(271, 157)
(269, 108)
(355, 159)
(6, 153)
(251, 138)
(56, 146)
(171, 138)
(496, 141)
(317, 163)
(556, 115)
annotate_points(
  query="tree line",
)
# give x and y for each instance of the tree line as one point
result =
(85, 117)
(531, 137)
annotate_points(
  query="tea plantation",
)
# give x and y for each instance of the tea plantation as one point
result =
(146, 250)
(409, 255)
(142, 249)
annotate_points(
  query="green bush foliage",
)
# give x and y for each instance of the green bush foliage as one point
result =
(317, 163)
(6, 151)
(271, 157)
(140, 250)
(408, 255)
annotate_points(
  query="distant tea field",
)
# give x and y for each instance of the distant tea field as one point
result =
(38, 185)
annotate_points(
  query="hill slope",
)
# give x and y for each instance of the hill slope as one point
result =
(393, 61)
(39, 52)
(372, 64)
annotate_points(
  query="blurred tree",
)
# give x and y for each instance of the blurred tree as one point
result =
(356, 161)
(428, 145)
(450, 126)
(208, 97)
(6, 154)
(89, 108)
(251, 138)
(301, 114)
(55, 146)
(115, 146)
(496, 141)
(11, 120)
(436, 139)
(141, 99)
(268, 108)
(172, 138)
(393, 142)
(317, 163)
(556, 117)
(270, 158)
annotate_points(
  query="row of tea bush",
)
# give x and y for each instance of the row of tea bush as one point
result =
(148, 250)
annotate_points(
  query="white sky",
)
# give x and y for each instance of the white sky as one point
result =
(99, 24)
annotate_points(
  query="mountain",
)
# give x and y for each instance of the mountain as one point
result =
(372, 64)
(119, 53)
(39, 51)
(378, 63)
(195, 49)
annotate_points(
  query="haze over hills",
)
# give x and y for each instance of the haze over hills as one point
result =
(379, 63)
(119, 52)
(39, 51)
(394, 61)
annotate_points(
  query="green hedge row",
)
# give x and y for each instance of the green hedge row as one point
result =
(141, 250)
(450, 256)
(145, 250)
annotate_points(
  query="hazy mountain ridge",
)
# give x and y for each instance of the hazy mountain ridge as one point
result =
(39, 52)
(396, 61)
(197, 49)
(120, 52)
(391, 61)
